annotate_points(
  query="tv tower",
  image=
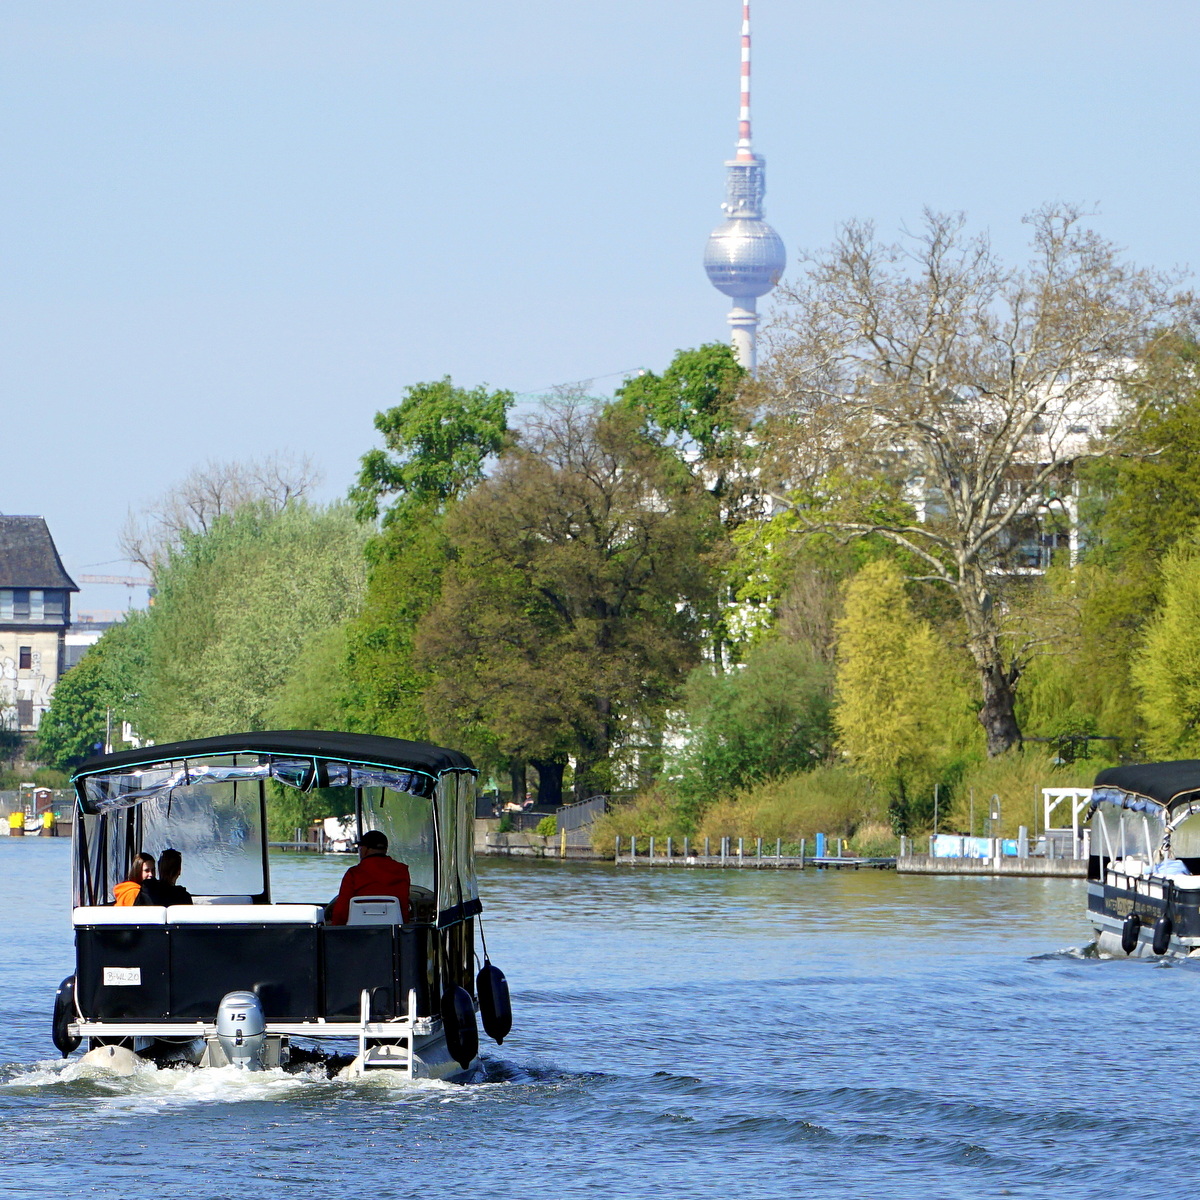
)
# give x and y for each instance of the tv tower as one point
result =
(744, 257)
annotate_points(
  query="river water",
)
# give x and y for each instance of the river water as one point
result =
(678, 1034)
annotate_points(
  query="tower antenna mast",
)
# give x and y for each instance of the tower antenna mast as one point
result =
(744, 257)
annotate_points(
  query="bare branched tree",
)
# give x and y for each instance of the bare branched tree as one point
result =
(968, 388)
(210, 492)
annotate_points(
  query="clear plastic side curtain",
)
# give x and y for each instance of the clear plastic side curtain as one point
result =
(467, 785)
(446, 802)
(106, 792)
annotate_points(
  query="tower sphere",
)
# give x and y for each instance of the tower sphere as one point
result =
(744, 257)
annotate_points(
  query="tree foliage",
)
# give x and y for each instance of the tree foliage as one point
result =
(769, 718)
(385, 686)
(1166, 669)
(209, 493)
(235, 608)
(900, 703)
(932, 365)
(437, 439)
(577, 598)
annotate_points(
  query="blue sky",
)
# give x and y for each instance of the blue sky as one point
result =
(234, 226)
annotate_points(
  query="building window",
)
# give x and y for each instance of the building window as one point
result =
(52, 605)
(25, 658)
(6, 604)
(37, 605)
(20, 604)
(24, 714)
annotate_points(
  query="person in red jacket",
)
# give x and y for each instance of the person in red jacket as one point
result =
(377, 874)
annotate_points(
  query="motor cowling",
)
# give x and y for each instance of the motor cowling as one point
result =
(1129, 933)
(241, 1030)
(495, 1007)
(458, 1024)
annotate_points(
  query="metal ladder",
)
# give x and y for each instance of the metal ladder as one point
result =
(366, 1036)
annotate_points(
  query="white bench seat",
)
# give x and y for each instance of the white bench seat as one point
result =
(245, 914)
(110, 914)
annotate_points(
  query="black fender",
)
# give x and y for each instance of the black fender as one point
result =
(495, 1007)
(1129, 933)
(64, 1014)
(458, 1023)
(1163, 928)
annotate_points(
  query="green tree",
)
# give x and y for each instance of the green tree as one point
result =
(577, 600)
(901, 708)
(1166, 669)
(315, 693)
(436, 443)
(104, 688)
(385, 686)
(693, 403)
(234, 610)
(966, 380)
(437, 439)
(770, 718)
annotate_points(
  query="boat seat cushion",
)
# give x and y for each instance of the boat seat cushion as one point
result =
(111, 914)
(245, 914)
(222, 900)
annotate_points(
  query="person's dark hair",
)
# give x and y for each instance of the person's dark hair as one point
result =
(373, 839)
(135, 867)
(170, 862)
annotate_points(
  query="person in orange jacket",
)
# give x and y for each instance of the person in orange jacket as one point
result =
(377, 874)
(129, 890)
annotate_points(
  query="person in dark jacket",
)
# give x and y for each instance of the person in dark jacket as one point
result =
(165, 889)
(376, 874)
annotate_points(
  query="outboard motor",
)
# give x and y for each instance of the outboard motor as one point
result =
(241, 1030)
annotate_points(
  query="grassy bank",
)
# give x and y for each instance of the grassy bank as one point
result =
(841, 804)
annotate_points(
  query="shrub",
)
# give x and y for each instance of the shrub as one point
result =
(874, 841)
(769, 718)
(1017, 778)
(547, 827)
(831, 800)
(652, 814)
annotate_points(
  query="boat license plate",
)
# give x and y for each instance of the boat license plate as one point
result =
(122, 976)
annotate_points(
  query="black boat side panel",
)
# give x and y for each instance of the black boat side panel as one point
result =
(1182, 907)
(417, 967)
(122, 950)
(276, 962)
(358, 957)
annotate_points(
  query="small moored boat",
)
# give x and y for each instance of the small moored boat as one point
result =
(235, 979)
(1144, 863)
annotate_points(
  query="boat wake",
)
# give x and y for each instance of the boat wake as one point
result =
(1088, 951)
(151, 1087)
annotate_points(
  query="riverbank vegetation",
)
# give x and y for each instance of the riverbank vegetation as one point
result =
(945, 548)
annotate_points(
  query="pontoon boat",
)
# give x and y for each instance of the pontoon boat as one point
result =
(1144, 864)
(237, 979)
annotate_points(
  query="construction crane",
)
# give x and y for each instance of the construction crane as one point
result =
(127, 580)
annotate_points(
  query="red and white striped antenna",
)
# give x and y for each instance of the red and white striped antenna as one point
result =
(743, 147)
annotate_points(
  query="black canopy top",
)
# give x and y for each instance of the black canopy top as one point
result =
(340, 747)
(1163, 782)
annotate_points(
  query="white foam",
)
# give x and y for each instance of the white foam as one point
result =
(152, 1089)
